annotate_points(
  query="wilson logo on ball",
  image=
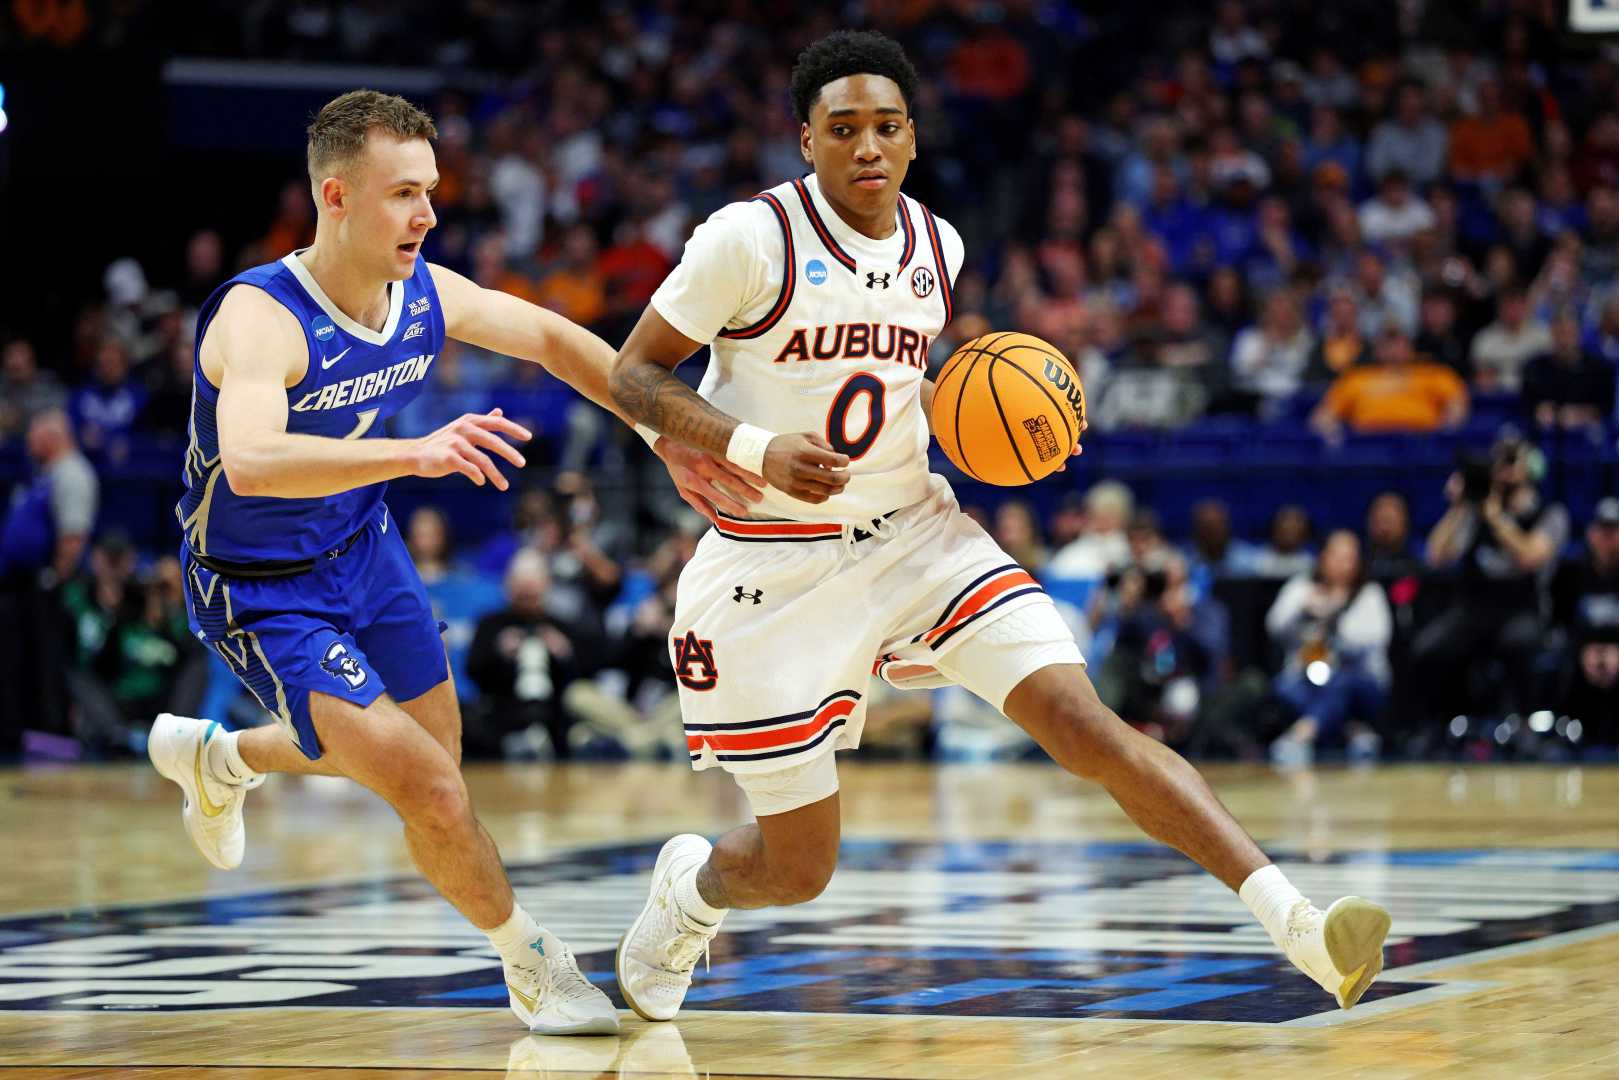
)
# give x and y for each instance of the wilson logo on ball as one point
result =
(1062, 377)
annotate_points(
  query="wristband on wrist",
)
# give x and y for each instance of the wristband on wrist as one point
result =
(747, 447)
(649, 436)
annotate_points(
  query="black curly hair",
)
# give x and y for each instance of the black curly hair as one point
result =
(850, 52)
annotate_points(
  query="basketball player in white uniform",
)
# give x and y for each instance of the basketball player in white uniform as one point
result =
(819, 299)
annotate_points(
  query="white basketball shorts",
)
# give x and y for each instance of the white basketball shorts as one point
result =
(779, 626)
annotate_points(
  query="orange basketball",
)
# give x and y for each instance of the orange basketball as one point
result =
(1007, 408)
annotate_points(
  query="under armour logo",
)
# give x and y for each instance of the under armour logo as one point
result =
(873, 279)
(757, 595)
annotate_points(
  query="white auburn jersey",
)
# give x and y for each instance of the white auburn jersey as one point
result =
(818, 328)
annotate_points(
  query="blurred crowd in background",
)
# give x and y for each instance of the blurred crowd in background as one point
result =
(1276, 222)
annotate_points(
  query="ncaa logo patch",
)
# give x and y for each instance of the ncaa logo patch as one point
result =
(815, 272)
(323, 328)
(922, 282)
(340, 665)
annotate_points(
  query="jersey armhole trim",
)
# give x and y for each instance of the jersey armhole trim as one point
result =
(910, 233)
(789, 274)
(945, 292)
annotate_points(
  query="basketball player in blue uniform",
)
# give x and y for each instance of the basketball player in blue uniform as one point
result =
(296, 574)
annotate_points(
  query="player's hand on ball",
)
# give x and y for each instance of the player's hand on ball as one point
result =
(709, 483)
(464, 445)
(806, 467)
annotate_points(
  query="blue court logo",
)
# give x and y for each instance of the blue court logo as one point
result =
(815, 271)
(323, 328)
(1111, 931)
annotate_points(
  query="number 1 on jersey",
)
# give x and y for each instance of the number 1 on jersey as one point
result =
(837, 418)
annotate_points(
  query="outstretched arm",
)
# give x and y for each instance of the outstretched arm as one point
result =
(505, 324)
(502, 323)
(253, 350)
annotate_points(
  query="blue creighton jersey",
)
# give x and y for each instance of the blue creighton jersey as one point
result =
(357, 378)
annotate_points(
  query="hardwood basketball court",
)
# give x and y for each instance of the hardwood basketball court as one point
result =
(999, 921)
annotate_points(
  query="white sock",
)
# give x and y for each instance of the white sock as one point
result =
(691, 902)
(1270, 896)
(225, 758)
(514, 938)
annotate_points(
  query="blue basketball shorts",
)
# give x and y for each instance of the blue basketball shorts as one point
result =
(355, 626)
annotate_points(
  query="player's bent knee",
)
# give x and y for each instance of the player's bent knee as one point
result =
(439, 804)
(803, 883)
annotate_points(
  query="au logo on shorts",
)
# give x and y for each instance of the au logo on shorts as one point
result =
(693, 651)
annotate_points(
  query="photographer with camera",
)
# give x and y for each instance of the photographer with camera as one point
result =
(1333, 626)
(1502, 541)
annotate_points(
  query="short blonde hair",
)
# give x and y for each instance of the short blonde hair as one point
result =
(337, 134)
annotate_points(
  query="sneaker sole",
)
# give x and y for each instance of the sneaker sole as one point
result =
(659, 869)
(1354, 932)
(188, 808)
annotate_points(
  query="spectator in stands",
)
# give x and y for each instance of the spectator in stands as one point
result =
(294, 224)
(1327, 143)
(1502, 348)
(1397, 392)
(1103, 548)
(1502, 540)
(1585, 590)
(49, 521)
(1568, 387)
(1585, 609)
(1602, 340)
(1384, 294)
(523, 659)
(168, 407)
(1341, 344)
(1186, 343)
(1268, 360)
(1017, 530)
(1520, 231)
(1387, 553)
(1439, 337)
(1599, 257)
(133, 652)
(1333, 627)
(1396, 215)
(106, 409)
(1214, 552)
(24, 388)
(204, 268)
(1411, 141)
(1493, 145)
(1288, 551)
(427, 536)
(573, 285)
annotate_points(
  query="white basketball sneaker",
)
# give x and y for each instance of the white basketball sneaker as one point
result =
(658, 953)
(212, 810)
(552, 996)
(1341, 948)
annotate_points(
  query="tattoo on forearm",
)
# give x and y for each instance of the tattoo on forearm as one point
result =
(652, 395)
